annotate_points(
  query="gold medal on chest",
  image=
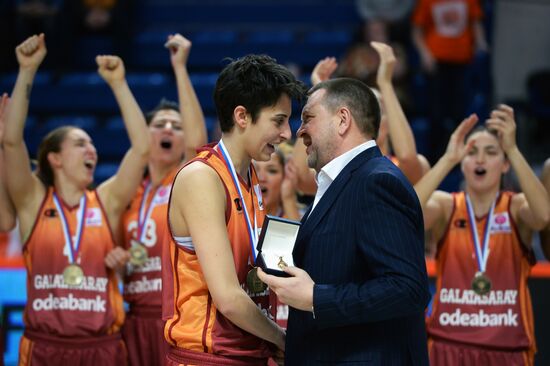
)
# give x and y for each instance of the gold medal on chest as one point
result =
(138, 254)
(481, 284)
(73, 275)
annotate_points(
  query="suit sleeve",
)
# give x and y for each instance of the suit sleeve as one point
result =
(388, 232)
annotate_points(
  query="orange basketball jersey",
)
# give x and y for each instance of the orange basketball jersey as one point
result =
(92, 308)
(193, 322)
(502, 318)
(143, 285)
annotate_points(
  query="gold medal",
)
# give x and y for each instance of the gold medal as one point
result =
(282, 264)
(73, 275)
(481, 284)
(138, 254)
(254, 283)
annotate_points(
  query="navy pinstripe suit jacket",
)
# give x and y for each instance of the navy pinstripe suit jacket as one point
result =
(363, 245)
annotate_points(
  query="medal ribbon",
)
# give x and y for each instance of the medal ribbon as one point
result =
(145, 211)
(252, 232)
(73, 247)
(481, 250)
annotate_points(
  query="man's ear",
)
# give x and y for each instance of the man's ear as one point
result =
(54, 159)
(241, 116)
(346, 119)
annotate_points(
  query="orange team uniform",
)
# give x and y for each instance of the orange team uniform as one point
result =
(143, 330)
(492, 329)
(447, 26)
(66, 324)
(196, 330)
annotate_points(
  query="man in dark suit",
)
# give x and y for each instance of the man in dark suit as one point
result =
(359, 289)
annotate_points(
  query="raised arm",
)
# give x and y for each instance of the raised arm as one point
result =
(432, 201)
(323, 70)
(25, 189)
(194, 125)
(117, 191)
(400, 132)
(533, 205)
(197, 209)
(7, 211)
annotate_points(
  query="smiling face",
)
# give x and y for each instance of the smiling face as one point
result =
(270, 129)
(318, 131)
(167, 137)
(485, 163)
(76, 159)
(270, 174)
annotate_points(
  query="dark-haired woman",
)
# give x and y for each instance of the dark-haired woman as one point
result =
(74, 309)
(482, 312)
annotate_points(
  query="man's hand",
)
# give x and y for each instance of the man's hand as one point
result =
(295, 291)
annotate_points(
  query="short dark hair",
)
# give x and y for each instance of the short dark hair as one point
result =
(50, 143)
(358, 97)
(255, 82)
(164, 104)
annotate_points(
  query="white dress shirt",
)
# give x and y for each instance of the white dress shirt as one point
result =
(330, 171)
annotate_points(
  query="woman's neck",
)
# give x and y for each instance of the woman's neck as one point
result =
(239, 157)
(158, 171)
(69, 193)
(482, 201)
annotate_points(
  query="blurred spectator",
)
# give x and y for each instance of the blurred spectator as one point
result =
(447, 34)
(384, 19)
(111, 18)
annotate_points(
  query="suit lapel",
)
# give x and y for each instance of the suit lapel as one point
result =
(310, 222)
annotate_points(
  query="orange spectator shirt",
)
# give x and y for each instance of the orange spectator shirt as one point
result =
(193, 321)
(143, 285)
(90, 309)
(501, 319)
(447, 27)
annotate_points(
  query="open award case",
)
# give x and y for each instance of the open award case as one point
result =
(275, 245)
